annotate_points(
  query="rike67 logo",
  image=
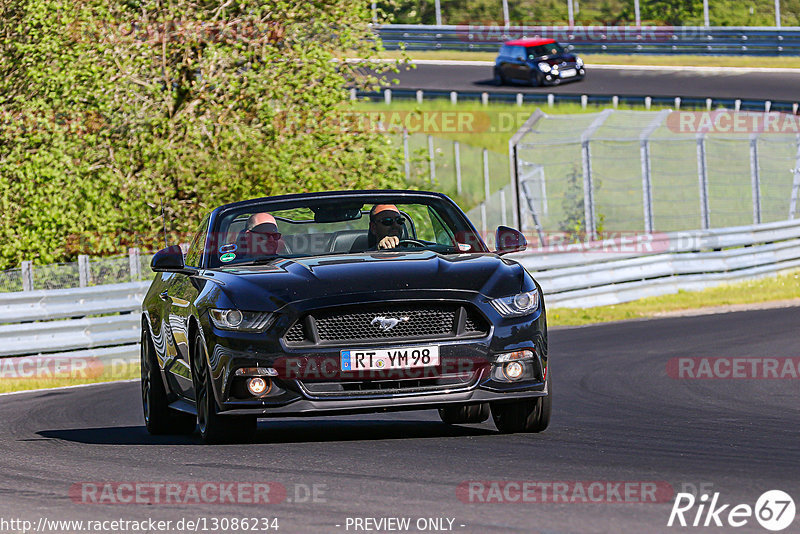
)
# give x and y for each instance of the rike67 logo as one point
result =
(774, 510)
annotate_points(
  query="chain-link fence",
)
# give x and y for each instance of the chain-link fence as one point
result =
(658, 171)
(87, 271)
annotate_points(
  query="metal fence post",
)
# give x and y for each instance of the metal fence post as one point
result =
(588, 189)
(506, 20)
(755, 179)
(486, 188)
(503, 216)
(702, 175)
(432, 161)
(637, 13)
(84, 274)
(387, 96)
(135, 264)
(647, 188)
(644, 155)
(586, 164)
(777, 13)
(570, 13)
(437, 6)
(453, 97)
(457, 154)
(27, 275)
(705, 14)
(420, 96)
(484, 224)
(795, 196)
(406, 158)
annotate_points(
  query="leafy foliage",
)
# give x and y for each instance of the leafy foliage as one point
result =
(107, 108)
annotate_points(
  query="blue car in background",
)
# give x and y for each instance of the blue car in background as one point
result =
(537, 62)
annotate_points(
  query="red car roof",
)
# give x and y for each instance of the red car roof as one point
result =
(530, 42)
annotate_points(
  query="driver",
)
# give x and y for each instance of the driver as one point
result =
(261, 235)
(385, 226)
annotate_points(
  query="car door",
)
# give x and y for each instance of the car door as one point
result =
(179, 296)
(517, 64)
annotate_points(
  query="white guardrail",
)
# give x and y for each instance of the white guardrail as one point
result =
(103, 322)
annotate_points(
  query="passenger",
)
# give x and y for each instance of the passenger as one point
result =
(261, 235)
(386, 227)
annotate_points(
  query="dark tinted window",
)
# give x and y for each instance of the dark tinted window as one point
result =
(551, 49)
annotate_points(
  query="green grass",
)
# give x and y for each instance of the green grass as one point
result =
(770, 289)
(614, 59)
(120, 372)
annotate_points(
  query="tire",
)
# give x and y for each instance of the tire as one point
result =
(535, 78)
(216, 428)
(529, 415)
(459, 414)
(158, 417)
(499, 79)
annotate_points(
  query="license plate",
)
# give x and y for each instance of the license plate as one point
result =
(569, 73)
(395, 358)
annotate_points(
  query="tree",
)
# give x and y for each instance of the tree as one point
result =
(110, 107)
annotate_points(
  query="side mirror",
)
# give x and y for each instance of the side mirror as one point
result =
(509, 240)
(520, 58)
(170, 260)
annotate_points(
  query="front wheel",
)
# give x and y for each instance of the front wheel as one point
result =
(158, 417)
(216, 428)
(529, 415)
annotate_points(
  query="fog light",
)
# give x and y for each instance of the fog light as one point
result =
(258, 386)
(513, 370)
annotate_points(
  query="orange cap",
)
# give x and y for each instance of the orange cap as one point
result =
(384, 207)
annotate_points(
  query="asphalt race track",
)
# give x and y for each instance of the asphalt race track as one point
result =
(669, 82)
(617, 416)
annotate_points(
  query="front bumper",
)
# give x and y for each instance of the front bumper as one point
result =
(293, 394)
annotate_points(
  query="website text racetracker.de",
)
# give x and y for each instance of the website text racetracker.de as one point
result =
(197, 524)
(563, 491)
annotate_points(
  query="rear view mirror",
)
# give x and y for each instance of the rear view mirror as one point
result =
(509, 240)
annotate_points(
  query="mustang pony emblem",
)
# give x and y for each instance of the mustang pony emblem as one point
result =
(387, 323)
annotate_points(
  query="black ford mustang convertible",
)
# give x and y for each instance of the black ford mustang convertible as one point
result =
(339, 303)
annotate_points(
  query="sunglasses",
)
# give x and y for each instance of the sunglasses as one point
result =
(270, 235)
(388, 221)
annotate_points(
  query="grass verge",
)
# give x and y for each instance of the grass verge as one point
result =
(113, 374)
(615, 59)
(785, 287)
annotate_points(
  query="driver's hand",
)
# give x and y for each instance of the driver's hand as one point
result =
(390, 241)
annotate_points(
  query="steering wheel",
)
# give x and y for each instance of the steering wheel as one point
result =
(408, 242)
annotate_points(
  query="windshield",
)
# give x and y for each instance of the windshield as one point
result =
(551, 49)
(260, 233)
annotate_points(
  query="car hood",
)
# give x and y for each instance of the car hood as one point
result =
(290, 280)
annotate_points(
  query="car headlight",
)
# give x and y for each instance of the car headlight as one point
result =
(517, 305)
(544, 66)
(242, 321)
(579, 62)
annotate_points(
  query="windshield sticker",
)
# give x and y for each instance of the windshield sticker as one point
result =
(464, 248)
(227, 257)
(230, 247)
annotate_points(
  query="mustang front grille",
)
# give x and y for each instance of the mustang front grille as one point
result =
(401, 321)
